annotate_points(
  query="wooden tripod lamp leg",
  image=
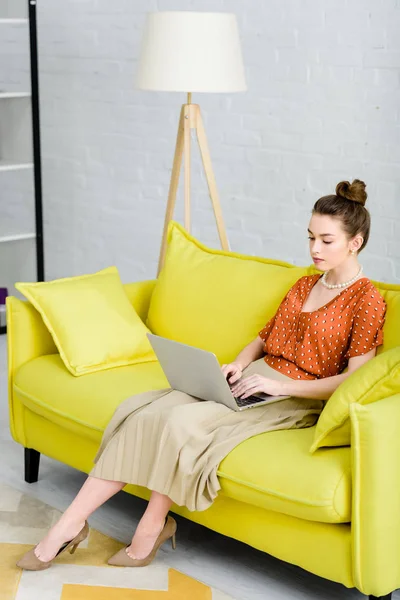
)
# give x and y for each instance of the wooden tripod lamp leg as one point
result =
(190, 118)
(186, 163)
(173, 187)
(212, 186)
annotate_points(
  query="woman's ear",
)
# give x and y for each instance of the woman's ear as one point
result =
(356, 243)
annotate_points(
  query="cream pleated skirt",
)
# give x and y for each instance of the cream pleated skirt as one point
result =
(172, 443)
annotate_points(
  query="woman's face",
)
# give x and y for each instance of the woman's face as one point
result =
(329, 244)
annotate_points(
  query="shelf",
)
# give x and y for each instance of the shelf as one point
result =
(17, 263)
(16, 128)
(11, 21)
(8, 95)
(15, 112)
(10, 166)
(21, 243)
(13, 10)
(17, 238)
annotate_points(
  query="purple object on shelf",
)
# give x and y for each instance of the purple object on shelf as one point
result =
(3, 295)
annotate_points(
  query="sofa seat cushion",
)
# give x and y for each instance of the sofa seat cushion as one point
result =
(82, 404)
(276, 471)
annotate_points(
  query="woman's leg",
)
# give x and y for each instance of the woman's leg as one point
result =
(92, 494)
(150, 526)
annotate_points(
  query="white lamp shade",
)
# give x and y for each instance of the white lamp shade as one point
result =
(191, 52)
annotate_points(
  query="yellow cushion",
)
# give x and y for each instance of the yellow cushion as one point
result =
(139, 295)
(275, 471)
(91, 320)
(391, 328)
(298, 484)
(82, 404)
(213, 299)
(377, 379)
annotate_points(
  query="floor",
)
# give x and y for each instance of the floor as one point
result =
(85, 575)
(226, 564)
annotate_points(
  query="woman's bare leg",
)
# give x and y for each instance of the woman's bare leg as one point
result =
(150, 526)
(92, 494)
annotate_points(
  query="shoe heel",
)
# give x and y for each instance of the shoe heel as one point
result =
(74, 548)
(173, 542)
(81, 537)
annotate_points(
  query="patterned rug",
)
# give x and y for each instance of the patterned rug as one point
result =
(85, 575)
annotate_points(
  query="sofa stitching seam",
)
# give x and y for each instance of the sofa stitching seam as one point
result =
(276, 494)
(356, 544)
(344, 474)
(56, 411)
(229, 254)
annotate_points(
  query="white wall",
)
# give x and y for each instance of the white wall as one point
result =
(323, 105)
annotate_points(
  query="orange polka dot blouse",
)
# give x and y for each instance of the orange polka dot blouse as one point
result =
(317, 344)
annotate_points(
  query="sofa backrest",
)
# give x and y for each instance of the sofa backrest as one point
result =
(219, 300)
(213, 299)
(391, 328)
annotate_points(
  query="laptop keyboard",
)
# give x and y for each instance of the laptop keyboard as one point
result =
(250, 400)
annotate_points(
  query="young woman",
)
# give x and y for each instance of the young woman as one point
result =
(172, 444)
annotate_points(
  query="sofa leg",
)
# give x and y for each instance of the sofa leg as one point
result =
(387, 597)
(32, 459)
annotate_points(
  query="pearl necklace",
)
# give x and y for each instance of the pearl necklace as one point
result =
(333, 286)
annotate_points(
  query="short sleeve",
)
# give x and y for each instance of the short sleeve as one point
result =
(265, 331)
(367, 330)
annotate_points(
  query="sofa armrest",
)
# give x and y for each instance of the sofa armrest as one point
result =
(27, 338)
(375, 447)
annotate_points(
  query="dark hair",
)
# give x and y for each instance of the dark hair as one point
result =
(348, 206)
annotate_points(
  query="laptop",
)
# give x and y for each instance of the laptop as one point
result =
(198, 373)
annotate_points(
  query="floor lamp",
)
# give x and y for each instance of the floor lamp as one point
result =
(191, 52)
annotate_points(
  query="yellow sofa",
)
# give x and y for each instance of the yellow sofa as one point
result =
(335, 513)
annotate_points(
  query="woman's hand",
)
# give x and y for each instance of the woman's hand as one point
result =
(232, 372)
(257, 383)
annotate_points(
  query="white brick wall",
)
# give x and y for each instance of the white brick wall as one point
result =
(323, 105)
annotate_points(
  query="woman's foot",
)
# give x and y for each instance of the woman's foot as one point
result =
(60, 534)
(32, 562)
(144, 539)
(148, 545)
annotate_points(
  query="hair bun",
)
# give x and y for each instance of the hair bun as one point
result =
(354, 192)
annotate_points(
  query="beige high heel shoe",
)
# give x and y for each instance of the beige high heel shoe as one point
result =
(122, 559)
(30, 562)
